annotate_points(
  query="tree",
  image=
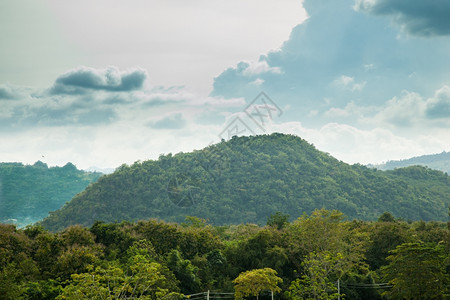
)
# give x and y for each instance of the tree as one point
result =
(326, 231)
(386, 217)
(384, 237)
(417, 271)
(278, 220)
(316, 283)
(251, 283)
(143, 281)
(184, 271)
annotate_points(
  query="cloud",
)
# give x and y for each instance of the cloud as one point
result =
(404, 111)
(89, 97)
(259, 67)
(407, 111)
(348, 83)
(173, 121)
(81, 79)
(421, 18)
(348, 57)
(257, 82)
(356, 145)
(438, 107)
(11, 92)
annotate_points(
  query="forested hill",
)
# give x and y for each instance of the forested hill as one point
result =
(246, 179)
(29, 192)
(439, 161)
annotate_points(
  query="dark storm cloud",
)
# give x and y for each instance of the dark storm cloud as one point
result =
(84, 79)
(174, 121)
(421, 18)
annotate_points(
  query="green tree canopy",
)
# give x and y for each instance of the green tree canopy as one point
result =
(417, 271)
(253, 282)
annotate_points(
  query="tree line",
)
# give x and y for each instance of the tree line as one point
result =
(303, 259)
(29, 192)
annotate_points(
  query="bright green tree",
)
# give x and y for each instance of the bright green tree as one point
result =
(145, 281)
(417, 271)
(253, 282)
(317, 283)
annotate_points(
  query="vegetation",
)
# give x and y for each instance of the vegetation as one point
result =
(29, 192)
(246, 179)
(302, 259)
(253, 282)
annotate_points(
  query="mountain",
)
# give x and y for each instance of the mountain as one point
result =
(95, 169)
(246, 179)
(439, 161)
(29, 192)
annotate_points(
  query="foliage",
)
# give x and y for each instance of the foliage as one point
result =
(154, 259)
(184, 271)
(417, 271)
(278, 220)
(29, 192)
(145, 281)
(246, 179)
(317, 281)
(253, 282)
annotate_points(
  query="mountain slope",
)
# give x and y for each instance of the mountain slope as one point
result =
(248, 178)
(29, 192)
(439, 162)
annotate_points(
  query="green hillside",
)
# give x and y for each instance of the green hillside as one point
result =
(29, 192)
(246, 179)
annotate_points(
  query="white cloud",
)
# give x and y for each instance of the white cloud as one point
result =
(257, 82)
(348, 83)
(354, 145)
(404, 111)
(413, 110)
(184, 43)
(438, 107)
(259, 67)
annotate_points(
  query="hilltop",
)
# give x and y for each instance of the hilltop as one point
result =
(246, 179)
(29, 192)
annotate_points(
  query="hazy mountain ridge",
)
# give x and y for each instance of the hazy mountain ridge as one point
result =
(248, 178)
(29, 192)
(440, 161)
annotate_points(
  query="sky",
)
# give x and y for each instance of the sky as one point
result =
(103, 83)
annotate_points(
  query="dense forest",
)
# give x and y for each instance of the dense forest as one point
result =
(246, 179)
(302, 259)
(439, 161)
(29, 192)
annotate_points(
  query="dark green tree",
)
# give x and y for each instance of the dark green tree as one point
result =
(417, 271)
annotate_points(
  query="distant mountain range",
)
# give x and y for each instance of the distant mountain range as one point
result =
(439, 161)
(95, 169)
(29, 192)
(246, 179)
